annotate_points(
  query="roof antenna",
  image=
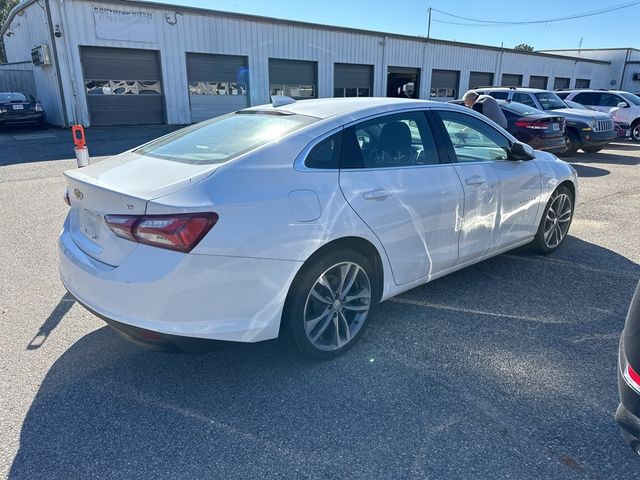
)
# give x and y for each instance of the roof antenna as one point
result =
(281, 100)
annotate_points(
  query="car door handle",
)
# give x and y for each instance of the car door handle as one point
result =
(380, 194)
(475, 180)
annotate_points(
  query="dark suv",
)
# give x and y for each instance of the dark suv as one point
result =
(588, 130)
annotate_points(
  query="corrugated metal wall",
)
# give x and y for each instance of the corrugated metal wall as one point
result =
(17, 77)
(177, 33)
(28, 30)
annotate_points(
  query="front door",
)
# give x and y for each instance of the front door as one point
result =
(501, 196)
(391, 175)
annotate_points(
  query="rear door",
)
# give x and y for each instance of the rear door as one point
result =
(391, 175)
(501, 196)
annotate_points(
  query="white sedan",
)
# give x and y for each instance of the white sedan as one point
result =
(297, 218)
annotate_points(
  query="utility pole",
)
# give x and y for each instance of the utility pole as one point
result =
(429, 27)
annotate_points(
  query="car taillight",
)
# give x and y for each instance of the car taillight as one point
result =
(180, 232)
(531, 124)
(39, 107)
(633, 376)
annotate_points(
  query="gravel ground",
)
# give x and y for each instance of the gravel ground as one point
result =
(506, 369)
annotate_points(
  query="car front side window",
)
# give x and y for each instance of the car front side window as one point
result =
(473, 140)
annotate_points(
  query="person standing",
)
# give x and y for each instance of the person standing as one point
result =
(487, 105)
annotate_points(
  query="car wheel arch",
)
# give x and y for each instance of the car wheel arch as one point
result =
(360, 244)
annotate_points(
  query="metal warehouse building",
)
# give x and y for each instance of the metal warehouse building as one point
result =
(128, 62)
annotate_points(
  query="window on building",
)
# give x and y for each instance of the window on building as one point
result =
(351, 92)
(122, 87)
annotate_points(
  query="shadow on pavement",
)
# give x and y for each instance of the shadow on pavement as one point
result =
(584, 171)
(52, 321)
(27, 145)
(503, 370)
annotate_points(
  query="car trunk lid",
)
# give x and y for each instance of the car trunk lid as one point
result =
(121, 185)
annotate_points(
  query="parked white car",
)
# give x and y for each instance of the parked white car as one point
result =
(624, 107)
(300, 218)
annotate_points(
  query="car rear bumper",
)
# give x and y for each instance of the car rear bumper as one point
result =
(21, 118)
(176, 294)
(628, 413)
(549, 144)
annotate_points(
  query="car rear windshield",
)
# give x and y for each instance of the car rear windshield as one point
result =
(519, 108)
(630, 97)
(7, 97)
(550, 101)
(223, 138)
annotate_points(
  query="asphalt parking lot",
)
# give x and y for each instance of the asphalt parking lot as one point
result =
(506, 369)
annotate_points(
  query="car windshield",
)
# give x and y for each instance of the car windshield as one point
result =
(6, 97)
(220, 139)
(630, 97)
(550, 101)
(519, 108)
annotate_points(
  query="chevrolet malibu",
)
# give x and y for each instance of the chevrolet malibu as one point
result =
(296, 218)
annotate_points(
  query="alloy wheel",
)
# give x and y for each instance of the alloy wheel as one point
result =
(635, 132)
(557, 220)
(337, 306)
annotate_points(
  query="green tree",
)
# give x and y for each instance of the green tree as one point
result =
(524, 46)
(5, 8)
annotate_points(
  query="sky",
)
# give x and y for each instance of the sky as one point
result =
(613, 29)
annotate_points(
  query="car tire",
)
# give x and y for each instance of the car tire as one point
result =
(633, 442)
(635, 131)
(329, 303)
(573, 143)
(591, 149)
(555, 222)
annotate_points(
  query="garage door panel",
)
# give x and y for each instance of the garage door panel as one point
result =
(123, 86)
(204, 107)
(125, 110)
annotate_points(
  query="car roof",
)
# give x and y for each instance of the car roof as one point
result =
(597, 90)
(514, 89)
(331, 107)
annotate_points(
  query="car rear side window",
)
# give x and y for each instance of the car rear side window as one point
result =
(499, 95)
(223, 138)
(326, 154)
(7, 97)
(587, 98)
(399, 140)
(523, 98)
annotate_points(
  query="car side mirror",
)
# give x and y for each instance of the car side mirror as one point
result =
(623, 105)
(522, 151)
